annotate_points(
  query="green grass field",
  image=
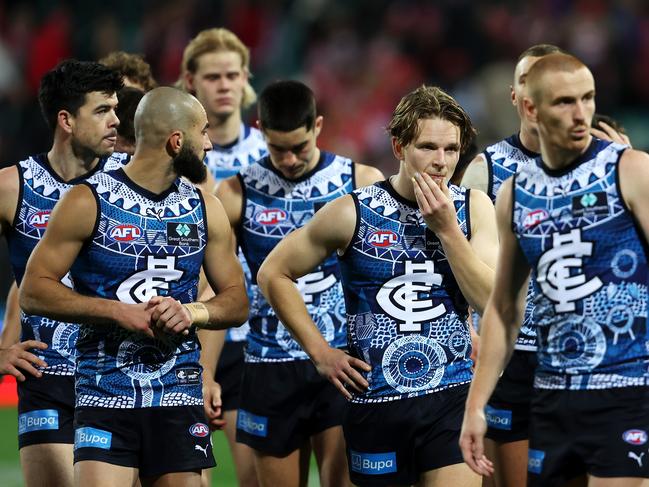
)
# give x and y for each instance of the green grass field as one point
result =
(11, 476)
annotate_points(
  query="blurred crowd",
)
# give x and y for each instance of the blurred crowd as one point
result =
(359, 56)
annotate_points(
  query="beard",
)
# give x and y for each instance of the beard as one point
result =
(187, 164)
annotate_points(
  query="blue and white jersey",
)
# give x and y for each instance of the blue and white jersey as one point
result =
(273, 207)
(589, 270)
(40, 189)
(405, 311)
(504, 158)
(226, 161)
(143, 245)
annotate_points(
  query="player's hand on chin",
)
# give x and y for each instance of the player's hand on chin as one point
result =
(169, 315)
(342, 370)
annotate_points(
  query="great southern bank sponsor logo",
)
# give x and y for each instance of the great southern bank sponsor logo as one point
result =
(125, 232)
(270, 216)
(252, 424)
(42, 419)
(635, 437)
(499, 418)
(199, 430)
(92, 438)
(382, 238)
(373, 463)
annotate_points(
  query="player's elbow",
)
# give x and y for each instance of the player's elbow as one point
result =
(28, 296)
(265, 276)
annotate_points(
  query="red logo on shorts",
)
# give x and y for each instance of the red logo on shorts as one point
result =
(39, 219)
(271, 216)
(125, 233)
(199, 430)
(635, 437)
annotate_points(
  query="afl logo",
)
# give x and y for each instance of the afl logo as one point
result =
(125, 233)
(39, 219)
(271, 216)
(535, 217)
(200, 430)
(635, 437)
(382, 238)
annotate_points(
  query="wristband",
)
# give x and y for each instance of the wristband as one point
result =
(198, 311)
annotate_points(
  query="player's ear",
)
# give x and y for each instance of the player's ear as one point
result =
(188, 82)
(175, 143)
(397, 148)
(317, 125)
(65, 120)
(529, 109)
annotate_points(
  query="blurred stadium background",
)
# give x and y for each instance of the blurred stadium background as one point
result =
(359, 56)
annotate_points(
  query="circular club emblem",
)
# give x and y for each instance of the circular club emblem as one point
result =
(200, 430)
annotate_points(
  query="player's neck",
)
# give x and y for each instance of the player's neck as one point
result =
(147, 170)
(224, 131)
(530, 139)
(69, 163)
(403, 185)
(556, 157)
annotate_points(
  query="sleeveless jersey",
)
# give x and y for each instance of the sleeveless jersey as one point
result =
(405, 312)
(273, 207)
(226, 161)
(589, 271)
(143, 245)
(503, 159)
(40, 189)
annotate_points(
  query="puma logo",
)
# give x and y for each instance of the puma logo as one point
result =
(636, 457)
(204, 450)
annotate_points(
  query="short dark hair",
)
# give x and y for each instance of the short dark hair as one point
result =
(287, 106)
(128, 99)
(131, 66)
(429, 102)
(65, 87)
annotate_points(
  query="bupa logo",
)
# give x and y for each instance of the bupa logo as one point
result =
(200, 430)
(535, 217)
(125, 233)
(42, 419)
(635, 437)
(373, 463)
(499, 418)
(252, 424)
(92, 438)
(271, 216)
(382, 238)
(39, 219)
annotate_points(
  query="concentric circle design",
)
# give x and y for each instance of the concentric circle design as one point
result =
(414, 363)
(577, 345)
(143, 360)
(624, 263)
(64, 340)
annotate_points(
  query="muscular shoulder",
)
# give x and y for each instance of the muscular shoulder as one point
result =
(476, 175)
(366, 175)
(634, 176)
(230, 195)
(335, 222)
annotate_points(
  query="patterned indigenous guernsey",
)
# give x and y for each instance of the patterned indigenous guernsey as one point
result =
(503, 159)
(273, 207)
(143, 245)
(405, 312)
(226, 161)
(589, 272)
(40, 189)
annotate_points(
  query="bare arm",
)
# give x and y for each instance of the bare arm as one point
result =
(11, 324)
(330, 229)
(499, 328)
(472, 262)
(634, 181)
(9, 192)
(42, 293)
(367, 175)
(476, 175)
